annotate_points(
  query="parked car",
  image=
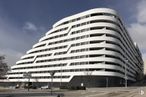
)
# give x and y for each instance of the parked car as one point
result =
(45, 87)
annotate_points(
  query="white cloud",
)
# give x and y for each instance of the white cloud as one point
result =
(138, 32)
(141, 8)
(13, 42)
(30, 27)
(138, 28)
(10, 55)
(10, 42)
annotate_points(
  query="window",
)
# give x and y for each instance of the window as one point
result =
(95, 55)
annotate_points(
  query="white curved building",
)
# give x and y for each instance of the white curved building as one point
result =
(91, 48)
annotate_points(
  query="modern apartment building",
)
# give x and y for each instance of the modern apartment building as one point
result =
(91, 48)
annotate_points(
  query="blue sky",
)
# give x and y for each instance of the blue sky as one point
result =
(23, 22)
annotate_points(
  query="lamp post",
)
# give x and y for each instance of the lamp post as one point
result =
(126, 73)
(88, 73)
(61, 78)
(27, 75)
(106, 81)
(52, 75)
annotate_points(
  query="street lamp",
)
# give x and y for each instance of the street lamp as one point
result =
(107, 81)
(27, 75)
(52, 75)
(61, 78)
(126, 61)
(88, 73)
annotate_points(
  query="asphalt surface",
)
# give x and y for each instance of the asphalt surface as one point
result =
(31, 93)
(89, 92)
(109, 92)
(28, 95)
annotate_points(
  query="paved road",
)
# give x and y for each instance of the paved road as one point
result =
(109, 92)
(28, 95)
(31, 93)
(91, 92)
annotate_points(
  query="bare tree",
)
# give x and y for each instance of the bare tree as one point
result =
(3, 66)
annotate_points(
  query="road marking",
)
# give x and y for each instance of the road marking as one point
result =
(141, 92)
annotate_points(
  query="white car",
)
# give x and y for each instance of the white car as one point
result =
(45, 87)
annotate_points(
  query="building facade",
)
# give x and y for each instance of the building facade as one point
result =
(144, 67)
(91, 48)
